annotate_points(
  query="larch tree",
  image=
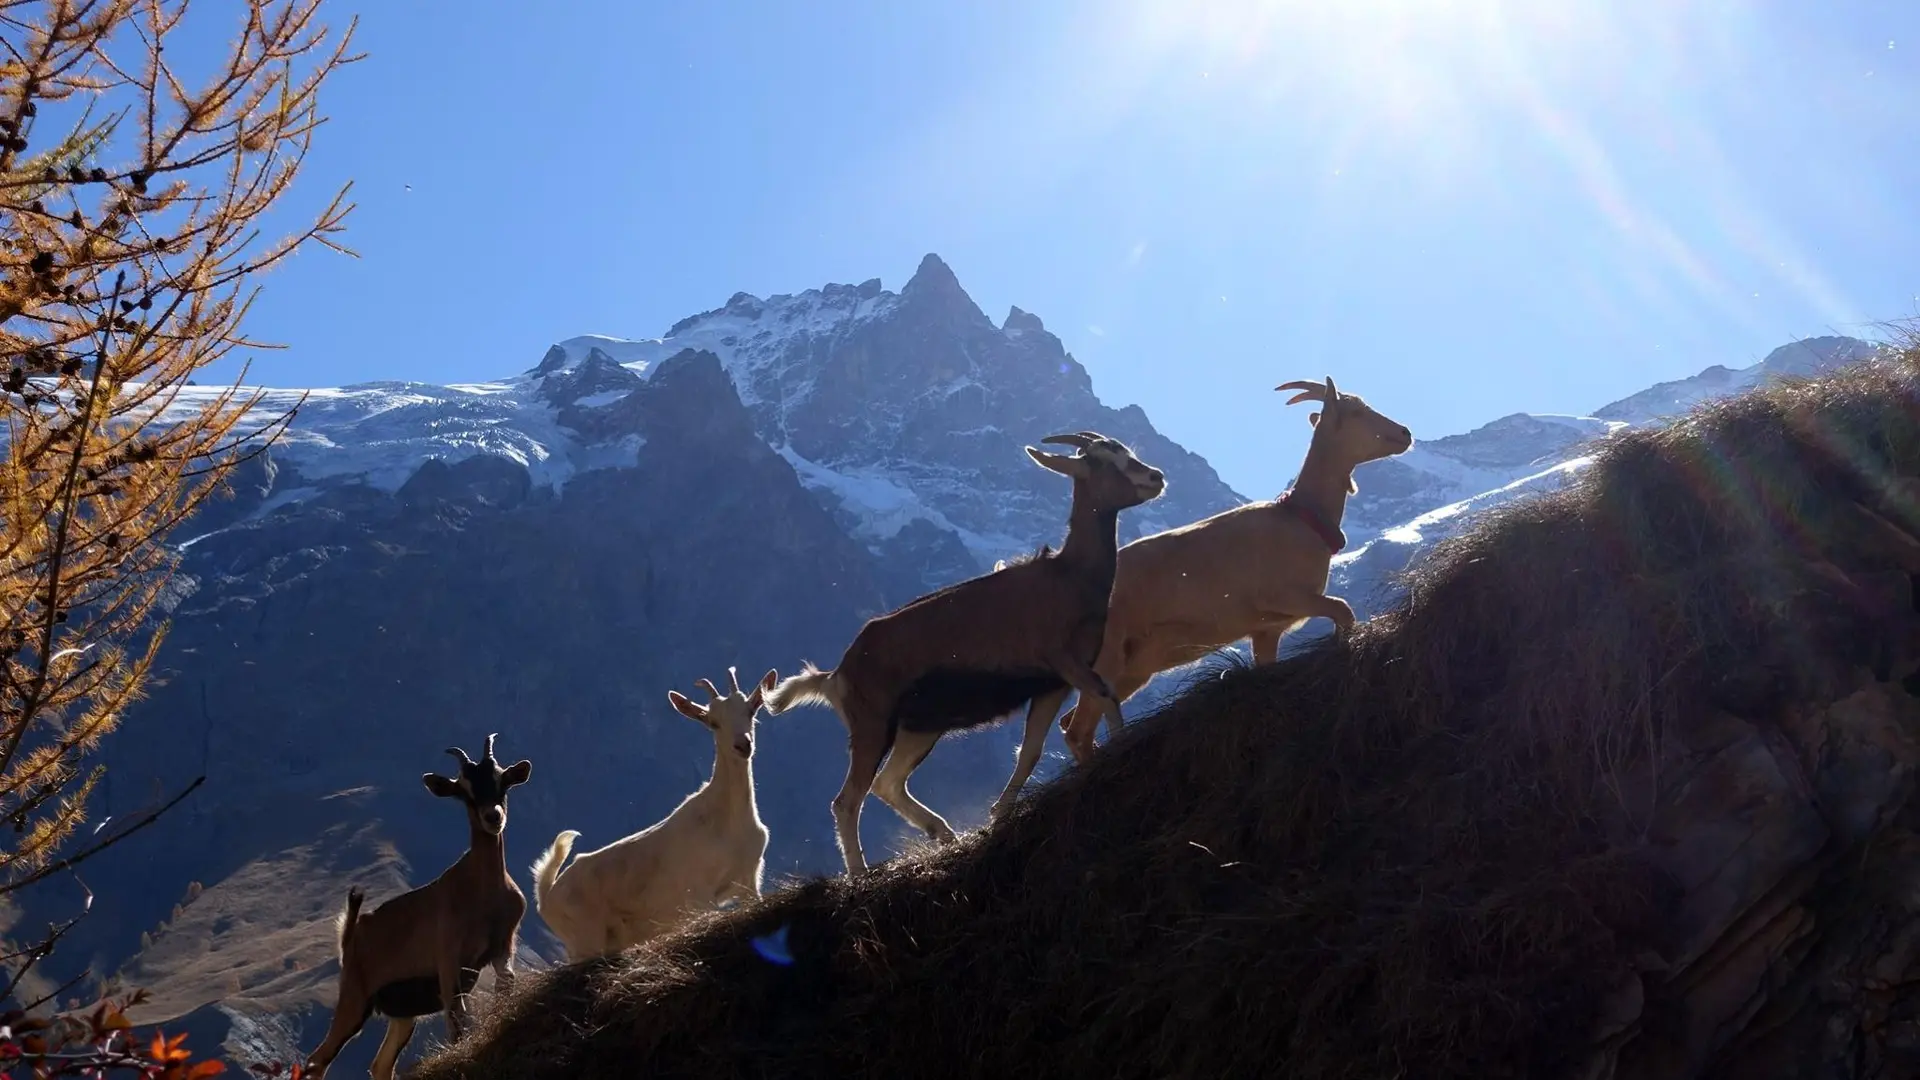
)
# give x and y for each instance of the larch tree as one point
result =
(133, 202)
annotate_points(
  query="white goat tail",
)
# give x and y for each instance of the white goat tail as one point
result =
(811, 685)
(546, 868)
(343, 923)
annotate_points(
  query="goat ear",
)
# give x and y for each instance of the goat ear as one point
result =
(517, 773)
(763, 688)
(687, 707)
(441, 786)
(1313, 419)
(1060, 463)
(1353, 488)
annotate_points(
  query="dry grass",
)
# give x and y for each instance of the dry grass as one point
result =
(1412, 852)
(263, 938)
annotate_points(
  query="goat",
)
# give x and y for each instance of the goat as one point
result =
(1256, 571)
(421, 952)
(971, 653)
(710, 849)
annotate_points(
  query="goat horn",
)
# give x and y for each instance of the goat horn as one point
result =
(1078, 442)
(707, 685)
(460, 755)
(1315, 391)
(734, 675)
(488, 756)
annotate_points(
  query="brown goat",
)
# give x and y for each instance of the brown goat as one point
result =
(421, 952)
(1257, 571)
(970, 654)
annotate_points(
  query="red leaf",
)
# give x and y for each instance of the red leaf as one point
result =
(206, 1068)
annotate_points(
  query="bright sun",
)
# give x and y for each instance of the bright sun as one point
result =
(1427, 76)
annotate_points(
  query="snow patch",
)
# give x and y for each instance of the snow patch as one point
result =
(1413, 532)
(604, 397)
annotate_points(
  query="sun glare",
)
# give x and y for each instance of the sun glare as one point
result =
(1426, 77)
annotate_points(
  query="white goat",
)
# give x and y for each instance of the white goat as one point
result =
(710, 849)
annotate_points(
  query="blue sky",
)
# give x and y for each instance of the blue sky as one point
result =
(1458, 208)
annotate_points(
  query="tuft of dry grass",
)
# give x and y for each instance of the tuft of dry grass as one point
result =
(1417, 850)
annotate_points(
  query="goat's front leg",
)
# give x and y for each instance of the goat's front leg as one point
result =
(1266, 646)
(1040, 714)
(503, 972)
(451, 1000)
(1334, 608)
(1093, 690)
(739, 891)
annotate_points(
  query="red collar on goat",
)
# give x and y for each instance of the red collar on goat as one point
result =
(1329, 536)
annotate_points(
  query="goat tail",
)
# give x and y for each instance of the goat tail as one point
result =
(811, 685)
(546, 868)
(343, 924)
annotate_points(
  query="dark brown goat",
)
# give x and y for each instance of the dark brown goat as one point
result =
(972, 653)
(421, 952)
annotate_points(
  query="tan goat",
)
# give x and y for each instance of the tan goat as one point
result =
(1257, 571)
(710, 849)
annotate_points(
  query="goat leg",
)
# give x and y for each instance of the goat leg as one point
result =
(451, 1000)
(503, 971)
(1093, 688)
(1265, 646)
(910, 748)
(349, 1016)
(1040, 714)
(865, 748)
(399, 1031)
(1330, 607)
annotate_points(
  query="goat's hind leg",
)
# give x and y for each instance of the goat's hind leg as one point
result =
(399, 1031)
(350, 1014)
(910, 748)
(866, 746)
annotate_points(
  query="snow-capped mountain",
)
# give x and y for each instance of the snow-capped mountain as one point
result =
(905, 412)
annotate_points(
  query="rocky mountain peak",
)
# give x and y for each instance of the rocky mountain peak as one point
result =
(935, 290)
(690, 399)
(1018, 320)
(596, 381)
